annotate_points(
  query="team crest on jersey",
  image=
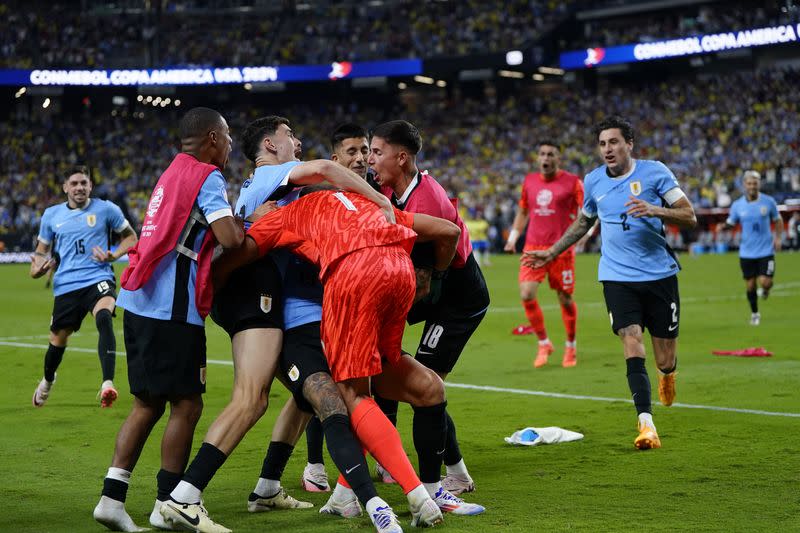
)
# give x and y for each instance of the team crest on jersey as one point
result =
(763, 210)
(294, 373)
(155, 202)
(266, 303)
(203, 375)
(544, 197)
(91, 220)
(636, 188)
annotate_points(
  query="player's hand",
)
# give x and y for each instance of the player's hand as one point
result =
(263, 209)
(41, 264)
(638, 208)
(510, 247)
(537, 258)
(102, 256)
(388, 211)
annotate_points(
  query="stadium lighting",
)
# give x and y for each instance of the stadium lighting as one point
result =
(167, 101)
(139, 98)
(441, 83)
(402, 86)
(148, 99)
(552, 70)
(177, 103)
(22, 90)
(157, 100)
(46, 103)
(538, 77)
(248, 86)
(424, 79)
(514, 57)
(511, 74)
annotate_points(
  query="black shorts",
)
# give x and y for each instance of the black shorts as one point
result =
(301, 357)
(451, 322)
(761, 266)
(252, 298)
(166, 358)
(654, 305)
(70, 309)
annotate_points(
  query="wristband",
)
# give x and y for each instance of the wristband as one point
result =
(513, 235)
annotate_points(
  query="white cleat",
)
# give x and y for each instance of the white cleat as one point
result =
(452, 504)
(112, 514)
(315, 478)
(385, 520)
(426, 514)
(281, 500)
(190, 517)
(157, 521)
(42, 392)
(456, 484)
(349, 508)
(383, 474)
(755, 319)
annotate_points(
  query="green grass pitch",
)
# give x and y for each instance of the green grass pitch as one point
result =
(718, 470)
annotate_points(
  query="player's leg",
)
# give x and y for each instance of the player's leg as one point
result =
(529, 281)
(315, 478)
(52, 359)
(750, 274)
(766, 271)
(562, 279)
(662, 319)
(103, 311)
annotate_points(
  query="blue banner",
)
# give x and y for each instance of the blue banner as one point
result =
(209, 76)
(701, 44)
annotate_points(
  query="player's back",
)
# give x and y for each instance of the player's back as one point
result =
(269, 182)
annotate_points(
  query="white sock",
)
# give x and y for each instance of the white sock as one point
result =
(544, 341)
(571, 344)
(417, 495)
(185, 492)
(374, 503)
(458, 469)
(343, 494)
(432, 488)
(267, 487)
(647, 418)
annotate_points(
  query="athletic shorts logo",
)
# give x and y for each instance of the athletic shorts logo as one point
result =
(155, 202)
(203, 375)
(91, 220)
(673, 327)
(636, 188)
(294, 373)
(611, 318)
(266, 303)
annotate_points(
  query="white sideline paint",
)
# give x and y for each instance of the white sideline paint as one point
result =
(487, 388)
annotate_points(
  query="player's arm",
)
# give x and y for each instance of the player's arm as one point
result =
(778, 238)
(679, 213)
(579, 228)
(41, 262)
(228, 232)
(128, 240)
(444, 235)
(516, 229)
(313, 172)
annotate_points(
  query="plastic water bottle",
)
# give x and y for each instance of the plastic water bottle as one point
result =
(529, 435)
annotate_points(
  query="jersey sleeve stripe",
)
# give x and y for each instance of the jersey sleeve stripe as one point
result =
(218, 214)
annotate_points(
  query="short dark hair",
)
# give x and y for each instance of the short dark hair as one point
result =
(549, 142)
(615, 121)
(78, 169)
(256, 131)
(348, 130)
(198, 121)
(400, 132)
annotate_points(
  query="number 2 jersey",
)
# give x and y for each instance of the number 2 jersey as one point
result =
(633, 249)
(72, 233)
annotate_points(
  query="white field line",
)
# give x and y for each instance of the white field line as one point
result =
(487, 388)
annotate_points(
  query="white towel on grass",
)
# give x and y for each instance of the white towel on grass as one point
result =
(549, 435)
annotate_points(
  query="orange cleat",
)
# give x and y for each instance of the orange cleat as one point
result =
(648, 438)
(541, 356)
(570, 357)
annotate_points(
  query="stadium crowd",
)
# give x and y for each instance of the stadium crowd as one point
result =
(706, 132)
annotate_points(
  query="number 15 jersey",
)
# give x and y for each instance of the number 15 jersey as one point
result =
(633, 249)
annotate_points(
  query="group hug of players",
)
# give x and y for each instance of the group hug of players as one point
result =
(387, 248)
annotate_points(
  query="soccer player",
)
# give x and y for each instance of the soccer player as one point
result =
(633, 200)
(456, 297)
(478, 228)
(249, 308)
(363, 316)
(77, 233)
(551, 199)
(166, 295)
(756, 211)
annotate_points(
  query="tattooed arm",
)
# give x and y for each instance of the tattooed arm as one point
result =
(579, 228)
(423, 282)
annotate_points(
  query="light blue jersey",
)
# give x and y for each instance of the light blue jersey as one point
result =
(169, 294)
(633, 249)
(302, 290)
(72, 233)
(755, 218)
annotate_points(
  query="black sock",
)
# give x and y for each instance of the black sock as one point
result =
(346, 453)
(452, 453)
(430, 437)
(752, 297)
(167, 481)
(115, 489)
(106, 343)
(205, 464)
(314, 441)
(670, 370)
(639, 383)
(389, 408)
(278, 455)
(52, 358)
